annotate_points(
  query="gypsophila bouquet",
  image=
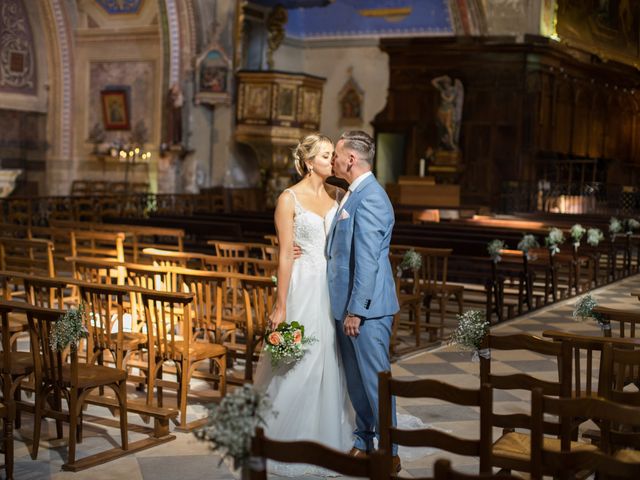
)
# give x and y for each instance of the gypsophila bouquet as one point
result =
(527, 243)
(471, 330)
(615, 227)
(555, 238)
(233, 421)
(583, 311)
(494, 248)
(577, 232)
(632, 225)
(411, 260)
(594, 236)
(286, 343)
(68, 330)
(274, 279)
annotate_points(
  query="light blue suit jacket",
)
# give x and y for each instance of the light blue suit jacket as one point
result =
(358, 268)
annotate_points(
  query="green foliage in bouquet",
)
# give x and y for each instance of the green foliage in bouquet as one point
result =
(411, 260)
(527, 243)
(68, 330)
(232, 423)
(286, 343)
(494, 248)
(577, 232)
(615, 227)
(471, 330)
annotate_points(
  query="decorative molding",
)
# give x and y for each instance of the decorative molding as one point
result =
(66, 66)
(18, 73)
(174, 41)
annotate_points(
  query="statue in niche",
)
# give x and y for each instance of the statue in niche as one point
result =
(174, 103)
(351, 97)
(449, 115)
(276, 21)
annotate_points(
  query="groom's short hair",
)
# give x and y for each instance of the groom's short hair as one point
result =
(360, 142)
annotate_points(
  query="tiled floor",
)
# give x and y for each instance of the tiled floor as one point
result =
(186, 458)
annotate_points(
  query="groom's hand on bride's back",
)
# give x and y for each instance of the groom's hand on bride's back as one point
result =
(297, 251)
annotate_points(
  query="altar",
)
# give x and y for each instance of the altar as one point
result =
(423, 192)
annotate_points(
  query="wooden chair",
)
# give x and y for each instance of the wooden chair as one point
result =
(429, 437)
(443, 471)
(511, 451)
(259, 299)
(567, 461)
(105, 306)
(622, 317)
(103, 271)
(52, 372)
(409, 299)
(27, 255)
(170, 324)
(374, 466)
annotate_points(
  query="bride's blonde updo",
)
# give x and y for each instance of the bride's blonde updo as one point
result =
(307, 149)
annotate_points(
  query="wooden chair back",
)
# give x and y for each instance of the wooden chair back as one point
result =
(103, 271)
(374, 466)
(480, 447)
(567, 462)
(624, 319)
(97, 244)
(27, 255)
(105, 309)
(169, 323)
(207, 288)
(259, 298)
(45, 292)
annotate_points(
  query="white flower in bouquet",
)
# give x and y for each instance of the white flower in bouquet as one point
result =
(471, 330)
(632, 225)
(527, 243)
(615, 227)
(577, 232)
(494, 248)
(555, 238)
(232, 423)
(594, 236)
(69, 330)
(583, 311)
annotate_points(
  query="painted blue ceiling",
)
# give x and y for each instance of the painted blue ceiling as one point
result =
(115, 7)
(292, 3)
(371, 18)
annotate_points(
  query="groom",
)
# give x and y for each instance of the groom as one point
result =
(361, 284)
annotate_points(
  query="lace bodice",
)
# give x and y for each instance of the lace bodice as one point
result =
(310, 232)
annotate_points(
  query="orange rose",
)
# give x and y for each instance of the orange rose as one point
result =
(275, 338)
(297, 336)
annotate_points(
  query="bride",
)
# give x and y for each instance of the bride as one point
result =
(310, 400)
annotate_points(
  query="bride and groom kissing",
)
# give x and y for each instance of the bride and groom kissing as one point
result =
(335, 278)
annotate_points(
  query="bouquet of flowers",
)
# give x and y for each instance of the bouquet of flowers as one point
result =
(471, 330)
(411, 260)
(527, 243)
(233, 421)
(555, 238)
(68, 330)
(632, 225)
(584, 310)
(286, 343)
(594, 236)
(577, 232)
(494, 247)
(615, 227)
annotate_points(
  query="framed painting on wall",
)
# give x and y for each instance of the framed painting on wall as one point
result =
(212, 77)
(115, 112)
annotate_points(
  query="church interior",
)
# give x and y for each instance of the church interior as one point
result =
(144, 146)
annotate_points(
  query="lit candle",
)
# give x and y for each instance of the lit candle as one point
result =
(422, 167)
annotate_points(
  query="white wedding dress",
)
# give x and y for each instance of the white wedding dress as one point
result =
(309, 398)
